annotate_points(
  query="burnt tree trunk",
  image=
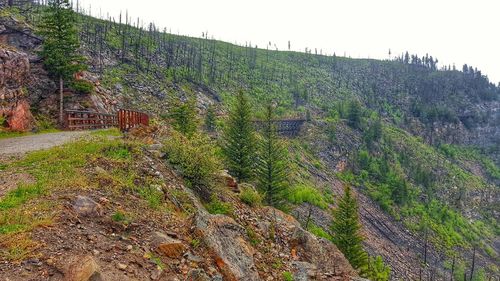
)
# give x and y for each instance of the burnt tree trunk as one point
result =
(61, 100)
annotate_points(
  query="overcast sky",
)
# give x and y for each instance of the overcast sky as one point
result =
(454, 31)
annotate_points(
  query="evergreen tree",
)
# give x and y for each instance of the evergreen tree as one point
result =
(377, 270)
(272, 166)
(60, 45)
(184, 117)
(345, 229)
(354, 115)
(210, 119)
(239, 139)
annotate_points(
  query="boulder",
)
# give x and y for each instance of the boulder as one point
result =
(79, 268)
(314, 256)
(304, 271)
(166, 245)
(229, 181)
(226, 241)
(85, 206)
(197, 274)
(320, 253)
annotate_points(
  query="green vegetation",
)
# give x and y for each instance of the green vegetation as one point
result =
(210, 119)
(310, 196)
(10, 134)
(215, 206)
(272, 164)
(195, 158)
(250, 196)
(287, 276)
(24, 208)
(153, 195)
(239, 140)
(82, 87)
(464, 154)
(156, 260)
(346, 231)
(377, 270)
(114, 132)
(121, 217)
(60, 45)
(184, 118)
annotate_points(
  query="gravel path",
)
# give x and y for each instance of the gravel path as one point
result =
(19, 145)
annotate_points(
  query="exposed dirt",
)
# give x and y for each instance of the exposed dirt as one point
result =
(10, 180)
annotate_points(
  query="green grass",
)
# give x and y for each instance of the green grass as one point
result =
(27, 206)
(9, 134)
(113, 132)
(152, 195)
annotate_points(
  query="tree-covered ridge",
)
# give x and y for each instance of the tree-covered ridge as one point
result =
(403, 87)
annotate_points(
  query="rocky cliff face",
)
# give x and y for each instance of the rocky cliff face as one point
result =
(14, 105)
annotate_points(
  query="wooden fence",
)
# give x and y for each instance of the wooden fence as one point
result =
(89, 120)
(128, 119)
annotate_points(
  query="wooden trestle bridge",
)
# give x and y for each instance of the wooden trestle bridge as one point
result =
(285, 127)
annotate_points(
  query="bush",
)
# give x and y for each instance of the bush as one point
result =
(2, 121)
(306, 194)
(82, 87)
(218, 207)
(195, 158)
(250, 196)
(43, 123)
(287, 276)
(377, 270)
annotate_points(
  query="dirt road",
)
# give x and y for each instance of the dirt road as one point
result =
(19, 145)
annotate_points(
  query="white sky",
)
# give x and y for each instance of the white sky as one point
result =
(454, 31)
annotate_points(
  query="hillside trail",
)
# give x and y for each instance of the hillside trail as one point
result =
(20, 145)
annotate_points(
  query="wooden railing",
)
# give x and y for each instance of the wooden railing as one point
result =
(128, 119)
(89, 120)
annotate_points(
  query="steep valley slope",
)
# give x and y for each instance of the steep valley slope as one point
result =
(424, 158)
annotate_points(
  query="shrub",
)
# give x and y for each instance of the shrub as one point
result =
(120, 217)
(306, 194)
(119, 152)
(218, 207)
(82, 87)
(43, 123)
(287, 276)
(250, 196)
(377, 270)
(2, 121)
(195, 158)
(152, 195)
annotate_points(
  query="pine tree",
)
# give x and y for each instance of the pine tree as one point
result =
(60, 45)
(272, 162)
(345, 229)
(239, 139)
(184, 117)
(210, 119)
(354, 115)
(377, 270)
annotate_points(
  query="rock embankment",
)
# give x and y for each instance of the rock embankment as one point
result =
(14, 107)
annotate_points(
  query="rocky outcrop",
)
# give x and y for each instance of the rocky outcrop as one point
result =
(315, 258)
(14, 106)
(226, 240)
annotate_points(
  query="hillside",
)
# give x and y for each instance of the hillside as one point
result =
(422, 150)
